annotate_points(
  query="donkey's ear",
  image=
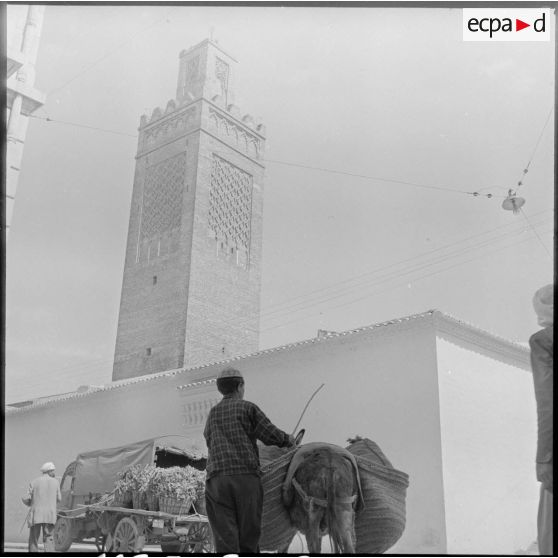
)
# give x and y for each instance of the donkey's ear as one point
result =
(299, 436)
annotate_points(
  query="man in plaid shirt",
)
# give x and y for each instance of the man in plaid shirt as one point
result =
(233, 490)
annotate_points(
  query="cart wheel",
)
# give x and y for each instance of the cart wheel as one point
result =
(126, 537)
(201, 539)
(62, 534)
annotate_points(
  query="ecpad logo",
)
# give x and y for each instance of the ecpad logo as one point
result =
(487, 24)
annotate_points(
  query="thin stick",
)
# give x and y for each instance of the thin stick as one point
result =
(25, 520)
(306, 407)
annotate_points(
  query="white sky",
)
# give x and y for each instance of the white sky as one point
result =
(390, 93)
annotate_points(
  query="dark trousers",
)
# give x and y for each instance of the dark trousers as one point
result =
(234, 509)
(48, 539)
(544, 523)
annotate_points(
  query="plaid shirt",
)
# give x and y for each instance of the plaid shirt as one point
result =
(231, 431)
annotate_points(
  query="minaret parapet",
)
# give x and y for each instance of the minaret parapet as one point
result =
(234, 111)
(171, 106)
(248, 120)
(186, 99)
(219, 100)
(156, 114)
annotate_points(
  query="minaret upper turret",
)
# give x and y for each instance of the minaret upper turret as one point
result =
(206, 71)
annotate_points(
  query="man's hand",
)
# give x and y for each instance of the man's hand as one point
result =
(544, 475)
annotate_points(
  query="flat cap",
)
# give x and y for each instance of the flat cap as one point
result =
(48, 466)
(229, 373)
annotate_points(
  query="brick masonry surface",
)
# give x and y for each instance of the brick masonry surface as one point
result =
(191, 285)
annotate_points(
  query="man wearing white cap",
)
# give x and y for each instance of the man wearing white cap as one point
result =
(234, 492)
(44, 493)
(541, 344)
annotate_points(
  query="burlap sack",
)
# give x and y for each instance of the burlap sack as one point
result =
(382, 521)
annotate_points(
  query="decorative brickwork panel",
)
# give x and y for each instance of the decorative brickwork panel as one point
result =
(235, 134)
(222, 73)
(169, 128)
(162, 197)
(230, 205)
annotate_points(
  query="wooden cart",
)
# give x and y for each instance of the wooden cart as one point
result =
(86, 512)
(129, 530)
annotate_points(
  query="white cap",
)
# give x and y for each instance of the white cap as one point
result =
(543, 302)
(229, 373)
(48, 466)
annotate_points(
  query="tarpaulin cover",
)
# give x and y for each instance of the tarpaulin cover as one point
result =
(96, 471)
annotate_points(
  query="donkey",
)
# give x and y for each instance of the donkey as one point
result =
(322, 491)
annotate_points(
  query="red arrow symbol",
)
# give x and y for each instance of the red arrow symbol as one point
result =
(519, 25)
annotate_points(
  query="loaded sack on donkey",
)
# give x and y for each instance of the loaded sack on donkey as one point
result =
(352, 494)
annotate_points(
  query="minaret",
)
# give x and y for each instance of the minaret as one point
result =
(22, 97)
(191, 286)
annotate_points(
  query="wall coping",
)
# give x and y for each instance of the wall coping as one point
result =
(445, 326)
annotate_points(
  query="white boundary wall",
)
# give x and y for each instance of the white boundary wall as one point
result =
(488, 419)
(381, 382)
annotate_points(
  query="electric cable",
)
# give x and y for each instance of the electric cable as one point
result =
(393, 277)
(112, 51)
(526, 169)
(393, 286)
(535, 231)
(291, 306)
(48, 119)
(401, 262)
(380, 179)
(475, 193)
(97, 364)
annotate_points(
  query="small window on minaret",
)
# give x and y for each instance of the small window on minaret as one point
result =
(148, 351)
(154, 279)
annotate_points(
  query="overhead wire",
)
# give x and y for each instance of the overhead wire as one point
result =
(536, 233)
(475, 193)
(110, 52)
(300, 306)
(512, 193)
(418, 256)
(381, 179)
(291, 306)
(48, 119)
(298, 165)
(391, 287)
(526, 169)
(396, 274)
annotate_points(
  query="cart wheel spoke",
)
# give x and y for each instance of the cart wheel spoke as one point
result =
(126, 536)
(100, 541)
(62, 534)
